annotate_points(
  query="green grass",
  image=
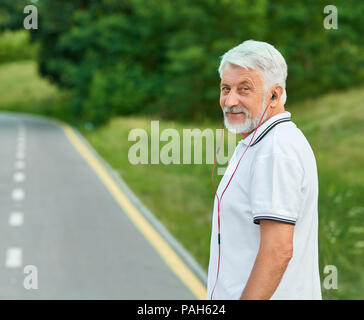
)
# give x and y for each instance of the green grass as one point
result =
(181, 196)
(16, 45)
(23, 90)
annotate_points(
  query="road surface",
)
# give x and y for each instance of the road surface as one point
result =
(62, 234)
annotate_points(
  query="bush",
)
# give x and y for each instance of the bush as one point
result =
(162, 56)
(15, 45)
(121, 90)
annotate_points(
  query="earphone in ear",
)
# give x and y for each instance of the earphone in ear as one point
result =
(274, 96)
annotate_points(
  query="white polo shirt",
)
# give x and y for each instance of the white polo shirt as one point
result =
(276, 180)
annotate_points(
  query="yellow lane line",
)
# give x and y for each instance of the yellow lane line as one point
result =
(162, 247)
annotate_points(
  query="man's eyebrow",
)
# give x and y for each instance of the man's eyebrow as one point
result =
(241, 82)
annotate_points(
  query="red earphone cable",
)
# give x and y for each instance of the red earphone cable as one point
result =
(218, 206)
(219, 200)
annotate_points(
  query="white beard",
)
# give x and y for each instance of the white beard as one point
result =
(248, 124)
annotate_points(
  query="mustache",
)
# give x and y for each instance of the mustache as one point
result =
(236, 110)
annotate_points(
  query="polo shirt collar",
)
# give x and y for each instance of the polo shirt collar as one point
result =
(266, 127)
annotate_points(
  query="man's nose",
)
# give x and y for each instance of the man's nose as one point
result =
(232, 99)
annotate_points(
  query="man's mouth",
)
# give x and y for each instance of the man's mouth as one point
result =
(233, 112)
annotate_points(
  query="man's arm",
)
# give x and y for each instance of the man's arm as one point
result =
(275, 252)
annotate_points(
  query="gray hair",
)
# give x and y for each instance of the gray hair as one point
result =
(262, 55)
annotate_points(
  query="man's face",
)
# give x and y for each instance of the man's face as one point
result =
(241, 98)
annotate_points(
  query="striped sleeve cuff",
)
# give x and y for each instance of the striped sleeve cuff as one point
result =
(257, 219)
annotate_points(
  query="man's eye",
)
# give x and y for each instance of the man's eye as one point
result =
(245, 89)
(225, 89)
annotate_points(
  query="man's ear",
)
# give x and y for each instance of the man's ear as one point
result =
(275, 95)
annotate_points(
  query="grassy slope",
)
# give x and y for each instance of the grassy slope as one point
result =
(181, 196)
(23, 90)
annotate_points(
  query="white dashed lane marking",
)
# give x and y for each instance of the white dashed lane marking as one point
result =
(16, 219)
(18, 194)
(13, 258)
(19, 177)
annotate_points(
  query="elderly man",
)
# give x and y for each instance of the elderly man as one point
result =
(264, 240)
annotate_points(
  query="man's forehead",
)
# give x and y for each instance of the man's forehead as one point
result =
(241, 81)
(233, 74)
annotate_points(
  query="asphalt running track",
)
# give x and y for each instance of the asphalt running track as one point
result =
(68, 230)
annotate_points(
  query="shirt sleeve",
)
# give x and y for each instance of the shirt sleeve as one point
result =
(276, 189)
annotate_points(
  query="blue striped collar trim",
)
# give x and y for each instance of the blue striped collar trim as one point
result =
(266, 127)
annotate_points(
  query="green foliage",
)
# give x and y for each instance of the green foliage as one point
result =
(11, 14)
(161, 57)
(112, 94)
(23, 90)
(15, 45)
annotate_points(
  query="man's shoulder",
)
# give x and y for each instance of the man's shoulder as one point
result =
(288, 133)
(287, 140)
